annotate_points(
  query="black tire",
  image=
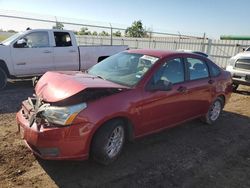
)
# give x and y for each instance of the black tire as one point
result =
(3, 79)
(209, 118)
(235, 87)
(102, 141)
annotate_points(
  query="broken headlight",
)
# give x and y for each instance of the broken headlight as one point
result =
(62, 115)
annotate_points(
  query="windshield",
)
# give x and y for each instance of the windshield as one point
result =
(11, 38)
(123, 68)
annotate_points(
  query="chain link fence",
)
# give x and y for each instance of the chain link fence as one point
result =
(220, 50)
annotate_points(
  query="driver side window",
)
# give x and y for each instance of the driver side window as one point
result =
(171, 71)
(36, 40)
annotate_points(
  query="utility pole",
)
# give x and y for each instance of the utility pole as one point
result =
(111, 35)
(203, 43)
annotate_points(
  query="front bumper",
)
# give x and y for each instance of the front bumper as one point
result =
(55, 143)
(239, 76)
(241, 80)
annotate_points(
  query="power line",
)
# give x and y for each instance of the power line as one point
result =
(90, 25)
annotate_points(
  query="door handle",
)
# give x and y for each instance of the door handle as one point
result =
(72, 51)
(182, 89)
(211, 81)
(21, 63)
(46, 51)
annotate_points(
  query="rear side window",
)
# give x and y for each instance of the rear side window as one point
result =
(62, 39)
(171, 70)
(197, 69)
(214, 70)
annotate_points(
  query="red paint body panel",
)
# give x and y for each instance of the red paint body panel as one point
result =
(56, 86)
(61, 138)
(147, 111)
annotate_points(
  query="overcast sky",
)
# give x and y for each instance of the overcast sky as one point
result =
(194, 17)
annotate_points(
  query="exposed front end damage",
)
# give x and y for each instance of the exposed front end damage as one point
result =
(50, 127)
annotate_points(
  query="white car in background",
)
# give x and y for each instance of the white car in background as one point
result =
(239, 67)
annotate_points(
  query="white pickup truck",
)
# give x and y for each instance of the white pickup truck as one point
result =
(33, 52)
(239, 67)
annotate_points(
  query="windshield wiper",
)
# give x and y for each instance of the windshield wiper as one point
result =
(98, 76)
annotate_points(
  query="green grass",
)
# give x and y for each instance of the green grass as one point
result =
(2, 37)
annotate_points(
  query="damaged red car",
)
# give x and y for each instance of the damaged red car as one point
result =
(75, 115)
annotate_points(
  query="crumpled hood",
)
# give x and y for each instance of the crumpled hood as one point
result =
(56, 86)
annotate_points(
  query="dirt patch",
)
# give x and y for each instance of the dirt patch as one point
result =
(190, 155)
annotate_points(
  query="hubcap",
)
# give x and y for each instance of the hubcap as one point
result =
(215, 110)
(115, 142)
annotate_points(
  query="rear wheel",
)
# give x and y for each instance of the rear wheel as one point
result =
(108, 142)
(3, 79)
(214, 111)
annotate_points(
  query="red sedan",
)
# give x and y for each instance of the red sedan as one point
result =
(74, 115)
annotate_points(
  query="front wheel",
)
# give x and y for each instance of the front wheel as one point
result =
(214, 111)
(3, 79)
(108, 142)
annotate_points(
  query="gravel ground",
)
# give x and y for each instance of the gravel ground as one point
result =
(190, 155)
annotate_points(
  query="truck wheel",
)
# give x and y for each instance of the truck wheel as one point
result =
(3, 79)
(235, 86)
(214, 111)
(108, 142)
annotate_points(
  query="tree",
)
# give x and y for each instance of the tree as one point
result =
(58, 25)
(84, 31)
(117, 34)
(136, 30)
(94, 33)
(11, 31)
(104, 33)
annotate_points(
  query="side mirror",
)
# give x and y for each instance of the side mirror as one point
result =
(21, 43)
(161, 85)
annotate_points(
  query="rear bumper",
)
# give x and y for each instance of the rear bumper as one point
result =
(71, 142)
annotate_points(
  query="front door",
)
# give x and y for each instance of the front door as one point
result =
(165, 108)
(35, 57)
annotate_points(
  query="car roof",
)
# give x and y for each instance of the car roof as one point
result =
(160, 53)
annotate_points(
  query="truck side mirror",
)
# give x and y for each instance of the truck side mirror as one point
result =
(21, 43)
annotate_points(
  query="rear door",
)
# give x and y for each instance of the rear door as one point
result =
(199, 86)
(66, 55)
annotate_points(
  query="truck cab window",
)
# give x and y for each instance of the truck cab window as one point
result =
(62, 39)
(36, 40)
